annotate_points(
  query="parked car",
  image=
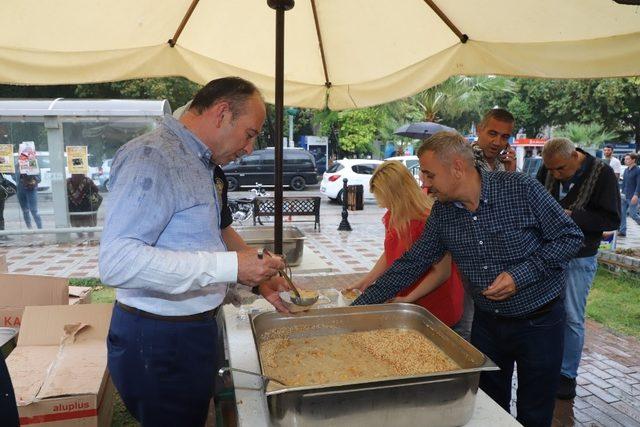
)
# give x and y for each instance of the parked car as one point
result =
(299, 169)
(357, 172)
(411, 162)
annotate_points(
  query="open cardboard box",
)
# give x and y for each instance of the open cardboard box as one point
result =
(79, 294)
(20, 290)
(59, 367)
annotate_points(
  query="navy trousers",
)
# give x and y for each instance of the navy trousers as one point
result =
(536, 346)
(164, 371)
(8, 409)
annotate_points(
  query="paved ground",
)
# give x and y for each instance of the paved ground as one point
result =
(609, 381)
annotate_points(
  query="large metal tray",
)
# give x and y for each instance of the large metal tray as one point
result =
(439, 399)
(262, 237)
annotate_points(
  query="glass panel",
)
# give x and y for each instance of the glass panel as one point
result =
(102, 136)
(33, 191)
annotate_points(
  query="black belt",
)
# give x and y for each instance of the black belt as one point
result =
(540, 311)
(207, 315)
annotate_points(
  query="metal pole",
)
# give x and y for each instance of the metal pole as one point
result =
(290, 130)
(280, 6)
(344, 224)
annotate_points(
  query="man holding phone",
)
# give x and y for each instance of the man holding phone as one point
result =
(492, 149)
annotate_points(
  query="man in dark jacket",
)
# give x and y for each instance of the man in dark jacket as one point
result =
(587, 189)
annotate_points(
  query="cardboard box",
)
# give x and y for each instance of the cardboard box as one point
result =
(80, 295)
(20, 290)
(59, 367)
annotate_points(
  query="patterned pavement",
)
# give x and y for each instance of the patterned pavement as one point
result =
(609, 380)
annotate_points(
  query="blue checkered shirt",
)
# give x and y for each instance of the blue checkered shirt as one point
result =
(518, 228)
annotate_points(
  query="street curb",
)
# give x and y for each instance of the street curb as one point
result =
(618, 262)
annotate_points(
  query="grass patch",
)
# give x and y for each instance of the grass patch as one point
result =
(85, 281)
(121, 417)
(614, 301)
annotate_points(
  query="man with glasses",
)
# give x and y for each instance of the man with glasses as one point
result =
(169, 249)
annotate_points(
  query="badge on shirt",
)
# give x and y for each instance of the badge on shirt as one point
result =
(219, 187)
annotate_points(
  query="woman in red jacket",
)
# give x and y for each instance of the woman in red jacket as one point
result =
(440, 290)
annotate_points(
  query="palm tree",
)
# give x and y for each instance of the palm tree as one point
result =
(585, 135)
(458, 95)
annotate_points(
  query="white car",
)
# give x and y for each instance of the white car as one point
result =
(411, 162)
(357, 172)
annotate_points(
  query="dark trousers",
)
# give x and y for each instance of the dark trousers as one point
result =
(536, 346)
(164, 371)
(8, 409)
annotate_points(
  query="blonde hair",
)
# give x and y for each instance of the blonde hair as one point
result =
(397, 190)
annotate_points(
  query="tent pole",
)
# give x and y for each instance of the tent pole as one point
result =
(280, 7)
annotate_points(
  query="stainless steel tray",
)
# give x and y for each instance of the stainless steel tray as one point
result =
(438, 399)
(262, 237)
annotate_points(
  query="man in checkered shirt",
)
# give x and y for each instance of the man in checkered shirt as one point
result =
(512, 241)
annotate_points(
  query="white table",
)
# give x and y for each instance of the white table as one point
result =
(251, 402)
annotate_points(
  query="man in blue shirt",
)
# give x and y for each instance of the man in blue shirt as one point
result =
(630, 192)
(512, 241)
(169, 249)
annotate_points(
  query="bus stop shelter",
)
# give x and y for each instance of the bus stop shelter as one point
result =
(101, 125)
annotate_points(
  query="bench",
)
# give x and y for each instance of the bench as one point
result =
(291, 206)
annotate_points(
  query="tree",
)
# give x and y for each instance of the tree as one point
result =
(585, 135)
(358, 128)
(177, 90)
(614, 103)
(460, 97)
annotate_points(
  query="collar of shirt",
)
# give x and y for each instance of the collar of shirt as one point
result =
(483, 163)
(566, 185)
(191, 141)
(486, 189)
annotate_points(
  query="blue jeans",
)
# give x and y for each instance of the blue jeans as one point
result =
(579, 276)
(28, 200)
(627, 209)
(164, 371)
(535, 345)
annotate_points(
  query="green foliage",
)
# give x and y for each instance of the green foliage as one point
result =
(358, 128)
(585, 135)
(177, 90)
(85, 281)
(460, 97)
(614, 103)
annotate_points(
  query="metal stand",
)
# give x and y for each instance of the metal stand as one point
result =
(344, 224)
(280, 6)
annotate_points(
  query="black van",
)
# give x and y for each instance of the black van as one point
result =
(259, 167)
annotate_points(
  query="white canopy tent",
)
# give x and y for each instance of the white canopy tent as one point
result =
(358, 52)
(338, 53)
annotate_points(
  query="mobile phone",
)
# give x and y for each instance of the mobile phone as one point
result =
(503, 153)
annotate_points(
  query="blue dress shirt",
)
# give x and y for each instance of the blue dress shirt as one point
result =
(162, 245)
